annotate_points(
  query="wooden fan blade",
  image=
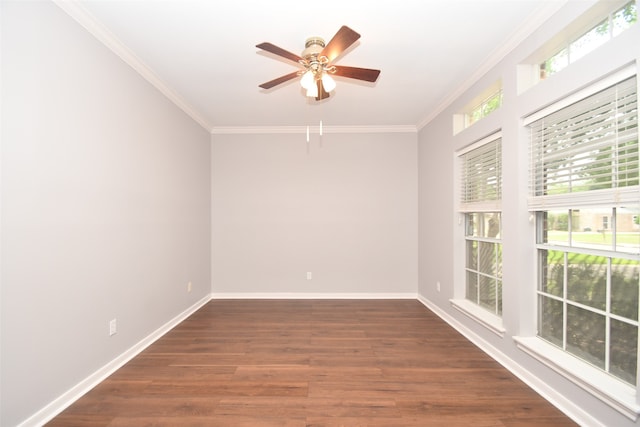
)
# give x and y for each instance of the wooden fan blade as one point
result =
(344, 38)
(279, 80)
(366, 74)
(269, 47)
(322, 94)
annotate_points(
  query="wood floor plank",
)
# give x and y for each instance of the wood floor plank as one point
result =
(305, 407)
(212, 421)
(312, 363)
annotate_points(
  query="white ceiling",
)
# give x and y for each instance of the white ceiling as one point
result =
(202, 53)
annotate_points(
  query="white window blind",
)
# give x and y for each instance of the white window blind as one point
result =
(481, 178)
(587, 153)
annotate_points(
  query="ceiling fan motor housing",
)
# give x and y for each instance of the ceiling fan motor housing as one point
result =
(313, 47)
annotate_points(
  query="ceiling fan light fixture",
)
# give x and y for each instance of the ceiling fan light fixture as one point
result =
(327, 82)
(308, 80)
(312, 92)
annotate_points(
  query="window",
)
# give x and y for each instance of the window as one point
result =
(599, 24)
(481, 194)
(484, 260)
(610, 26)
(486, 106)
(585, 193)
(487, 101)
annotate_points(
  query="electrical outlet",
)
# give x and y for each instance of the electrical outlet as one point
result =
(438, 286)
(309, 275)
(189, 287)
(113, 327)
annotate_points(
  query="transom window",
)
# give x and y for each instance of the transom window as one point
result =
(611, 25)
(484, 108)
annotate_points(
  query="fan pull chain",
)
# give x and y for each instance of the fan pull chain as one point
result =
(309, 130)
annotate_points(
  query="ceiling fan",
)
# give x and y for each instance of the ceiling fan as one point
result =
(316, 60)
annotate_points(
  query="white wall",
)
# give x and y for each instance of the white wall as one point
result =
(343, 207)
(441, 253)
(105, 207)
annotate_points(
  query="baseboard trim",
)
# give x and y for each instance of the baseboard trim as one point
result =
(304, 295)
(569, 408)
(54, 408)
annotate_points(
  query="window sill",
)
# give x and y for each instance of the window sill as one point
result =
(613, 392)
(480, 315)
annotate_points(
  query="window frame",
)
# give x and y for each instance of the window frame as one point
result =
(611, 390)
(473, 310)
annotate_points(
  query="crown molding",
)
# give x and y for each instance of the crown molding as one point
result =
(539, 17)
(249, 130)
(81, 15)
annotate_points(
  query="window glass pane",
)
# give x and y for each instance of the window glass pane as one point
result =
(624, 351)
(472, 254)
(586, 335)
(550, 320)
(554, 64)
(499, 291)
(560, 60)
(591, 228)
(587, 279)
(625, 284)
(471, 220)
(624, 18)
(472, 286)
(587, 146)
(614, 165)
(498, 260)
(628, 229)
(488, 293)
(488, 263)
(589, 41)
(481, 175)
(555, 227)
(483, 109)
(492, 103)
(475, 115)
(492, 225)
(552, 272)
(627, 154)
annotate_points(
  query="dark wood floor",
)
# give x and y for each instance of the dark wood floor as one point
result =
(303, 363)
